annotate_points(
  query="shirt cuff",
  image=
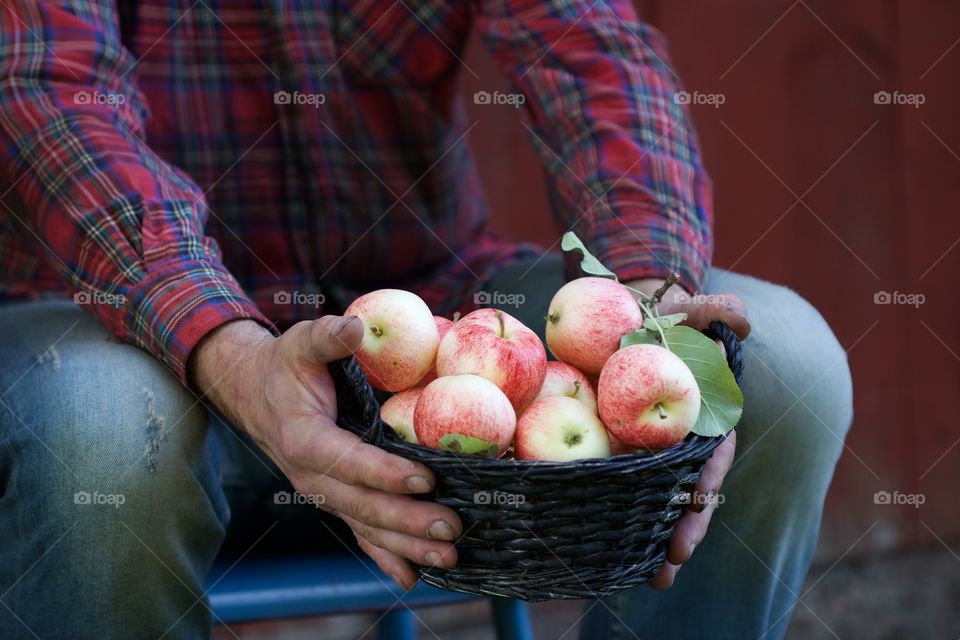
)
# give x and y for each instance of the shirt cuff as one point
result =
(179, 303)
(637, 245)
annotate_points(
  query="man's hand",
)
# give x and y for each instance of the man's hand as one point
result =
(701, 310)
(692, 527)
(280, 392)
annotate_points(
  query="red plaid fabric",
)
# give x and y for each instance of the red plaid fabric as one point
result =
(177, 165)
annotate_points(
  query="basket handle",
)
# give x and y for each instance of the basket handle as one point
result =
(359, 412)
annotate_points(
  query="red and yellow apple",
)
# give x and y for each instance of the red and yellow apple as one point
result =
(560, 428)
(400, 338)
(443, 325)
(648, 397)
(496, 346)
(587, 318)
(397, 412)
(564, 380)
(464, 404)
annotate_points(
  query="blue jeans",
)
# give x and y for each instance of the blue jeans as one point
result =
(117, 484)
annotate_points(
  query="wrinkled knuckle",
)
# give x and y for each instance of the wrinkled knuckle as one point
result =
(288, 444)
(362, 509)
(345, 468)
(370, 534)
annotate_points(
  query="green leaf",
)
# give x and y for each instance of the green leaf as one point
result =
(671, 320)
(721, 401)
(640, 336)
(459, 443)
(588, 264)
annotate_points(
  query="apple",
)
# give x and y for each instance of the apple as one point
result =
(492, 344)
(560, 428)
(400, 338)
(617, 448)
(466, 404)
(648, 397)
(443, 325)
(587, 318)
(564, 380)
(397, 412)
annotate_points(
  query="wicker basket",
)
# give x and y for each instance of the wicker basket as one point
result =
(546, 530)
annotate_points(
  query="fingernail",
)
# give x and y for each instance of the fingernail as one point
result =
(432, 558)
(417, 484)
(399, 582)
(344, 322)
(693, 545)
(440, 530)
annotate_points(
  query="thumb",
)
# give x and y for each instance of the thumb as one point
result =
(331, 338)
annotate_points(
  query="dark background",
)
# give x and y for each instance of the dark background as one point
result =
(821, 189)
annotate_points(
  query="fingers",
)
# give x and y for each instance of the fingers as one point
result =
(665, 577)
(716, 468)
(329, 338)
(429, 553)
(726, 307)
(344, 456)
(391, 564)
(693, 524)
(730, 310)
(402, 514)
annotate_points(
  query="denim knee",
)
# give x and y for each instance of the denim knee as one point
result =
(110, 476)
(798, 394)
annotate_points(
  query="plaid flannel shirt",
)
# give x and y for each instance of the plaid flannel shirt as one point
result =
(194, 162)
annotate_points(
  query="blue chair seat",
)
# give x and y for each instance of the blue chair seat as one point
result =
(284, 586)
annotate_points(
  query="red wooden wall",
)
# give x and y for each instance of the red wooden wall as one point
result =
(879, 195)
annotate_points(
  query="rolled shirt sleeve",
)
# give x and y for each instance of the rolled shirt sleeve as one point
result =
(120, 226)
(620, 152)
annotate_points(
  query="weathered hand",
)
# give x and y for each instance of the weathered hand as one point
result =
(280, 392)
(692, 527)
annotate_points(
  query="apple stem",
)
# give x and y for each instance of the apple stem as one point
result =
(375, 330)
(499, 315)
(456, 316)
(648, 315)
(576, 388)
(663, 413)
(662, 291)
